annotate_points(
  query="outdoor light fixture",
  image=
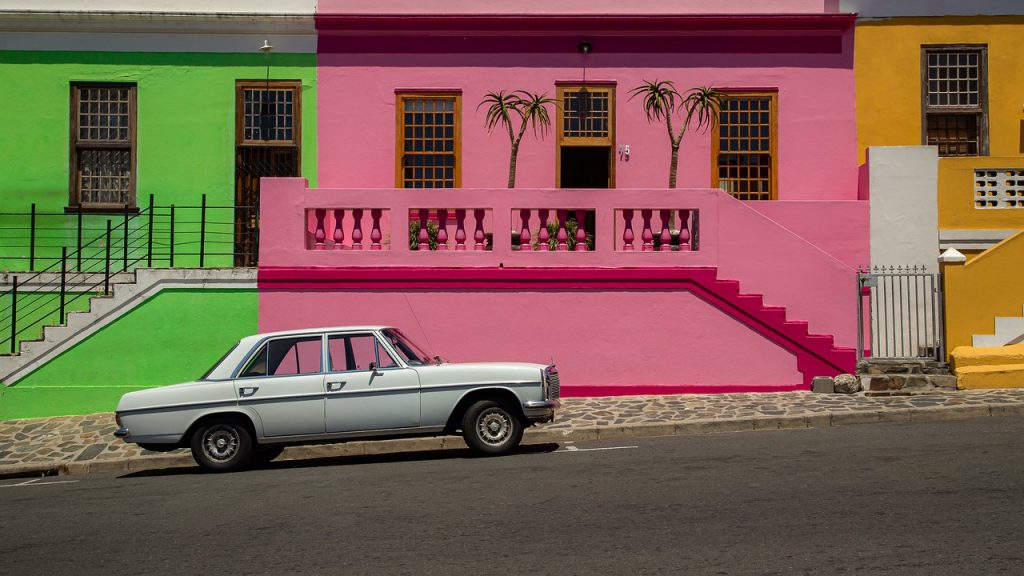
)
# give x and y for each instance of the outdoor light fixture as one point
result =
(583, 95)
(266, 112)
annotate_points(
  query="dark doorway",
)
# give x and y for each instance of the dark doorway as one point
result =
(251, 164)
(585, 167)
(268, 133)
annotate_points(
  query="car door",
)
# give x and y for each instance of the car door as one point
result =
(284, 384)
(367, 389)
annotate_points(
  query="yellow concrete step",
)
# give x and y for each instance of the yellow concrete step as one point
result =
(967, 356)
(990, 376)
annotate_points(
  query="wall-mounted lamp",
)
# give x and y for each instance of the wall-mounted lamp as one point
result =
(585, 47)
(267, 47)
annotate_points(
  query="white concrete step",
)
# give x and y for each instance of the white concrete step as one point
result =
(1009, 330)
(103, 310)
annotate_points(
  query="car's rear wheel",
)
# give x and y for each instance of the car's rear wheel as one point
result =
(491, 429)
(221, 446)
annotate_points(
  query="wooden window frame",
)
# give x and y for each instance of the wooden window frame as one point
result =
(981, 110)
(561, 140)
(74, 194)
(773, 95)
(242, 85)
(400, 97)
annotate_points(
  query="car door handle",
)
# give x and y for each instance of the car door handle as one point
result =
(246, 391)
(335, 386)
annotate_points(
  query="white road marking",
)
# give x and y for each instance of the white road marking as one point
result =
(575, 449)
(36, 482)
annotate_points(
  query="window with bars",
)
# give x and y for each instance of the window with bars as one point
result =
(428, 140)
(954, 99)
(102, 146)
(585, 115)
(268, 112)
(744, 149)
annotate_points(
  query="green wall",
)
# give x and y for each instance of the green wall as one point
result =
(176, 336)
(185, 134)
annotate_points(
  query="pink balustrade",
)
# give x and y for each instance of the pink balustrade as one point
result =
(444, 229)
(353, 229)
(661, 230)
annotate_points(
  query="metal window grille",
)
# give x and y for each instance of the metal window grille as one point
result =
(903, 313)
(268, 114)
(998, 188)
(429, 126)
(586, 114)
(745, 147)
(954, 99)
(103, 139)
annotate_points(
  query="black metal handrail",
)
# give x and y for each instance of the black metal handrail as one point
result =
(152, 237)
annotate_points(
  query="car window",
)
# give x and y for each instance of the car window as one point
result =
(410, 352)
(350, 352)
(286, 356)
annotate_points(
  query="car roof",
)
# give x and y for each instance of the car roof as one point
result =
(263, 335)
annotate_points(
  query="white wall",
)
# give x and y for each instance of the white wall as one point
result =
(903, 184)
(893, 8)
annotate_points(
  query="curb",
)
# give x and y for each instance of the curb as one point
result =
(535, 436)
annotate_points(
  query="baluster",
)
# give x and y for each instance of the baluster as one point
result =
(647, 236)
(581, 231)
(339, 231)
(684, 230)
(666, 233)
(563, 234)
(460, 230)
(478, 235)
(524, 235)
(319, 235)
(424, 237)
(442, 230)
(627, 233)
(543, 237)
(357, 229)
(375, 231)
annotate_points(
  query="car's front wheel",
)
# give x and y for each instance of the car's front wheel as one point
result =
(221, 446)
(491, 429)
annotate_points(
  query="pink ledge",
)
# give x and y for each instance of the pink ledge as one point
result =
(597, 390)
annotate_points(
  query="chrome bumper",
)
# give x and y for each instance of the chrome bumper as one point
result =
(540, 410)
(121, 432)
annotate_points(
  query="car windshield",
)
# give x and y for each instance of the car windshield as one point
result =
(219, 360)
(410, 352)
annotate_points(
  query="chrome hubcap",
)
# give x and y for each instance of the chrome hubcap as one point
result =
(494, 426)
(221, 442)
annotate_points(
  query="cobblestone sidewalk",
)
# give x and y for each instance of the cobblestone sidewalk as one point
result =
(77, 444)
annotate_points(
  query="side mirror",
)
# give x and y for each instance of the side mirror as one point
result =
(373, 368)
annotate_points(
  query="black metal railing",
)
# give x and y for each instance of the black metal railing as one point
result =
(67, 264)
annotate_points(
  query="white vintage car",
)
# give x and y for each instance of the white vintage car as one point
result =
(332, 385)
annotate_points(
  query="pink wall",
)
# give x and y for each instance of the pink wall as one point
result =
(812, 69)
(637, 338)
(567, 7)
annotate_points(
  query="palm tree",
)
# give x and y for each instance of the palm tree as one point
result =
(698, 106)
(530, 109)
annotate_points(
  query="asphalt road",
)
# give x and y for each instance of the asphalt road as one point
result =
(928, 498)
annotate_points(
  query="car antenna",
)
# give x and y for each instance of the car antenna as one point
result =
(417, 319)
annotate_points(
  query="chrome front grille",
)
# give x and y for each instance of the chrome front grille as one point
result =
(553, 387)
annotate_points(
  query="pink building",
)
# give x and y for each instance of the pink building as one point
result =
(742, 278)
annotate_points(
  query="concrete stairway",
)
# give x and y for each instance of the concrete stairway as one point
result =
(1009, 330)
(103, 310)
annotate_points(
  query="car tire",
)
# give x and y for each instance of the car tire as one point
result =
(266, 454)
(491, 429)
(222, 445)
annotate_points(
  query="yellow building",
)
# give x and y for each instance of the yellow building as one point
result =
(956, 81)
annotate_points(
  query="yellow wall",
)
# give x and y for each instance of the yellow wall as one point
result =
(989, 285)
(888, 72)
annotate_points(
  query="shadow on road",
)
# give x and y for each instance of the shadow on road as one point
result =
(394, 457)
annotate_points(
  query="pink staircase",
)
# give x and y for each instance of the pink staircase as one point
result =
(816, 354)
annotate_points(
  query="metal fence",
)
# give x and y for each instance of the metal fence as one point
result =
(71, 257)
(903, 315)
